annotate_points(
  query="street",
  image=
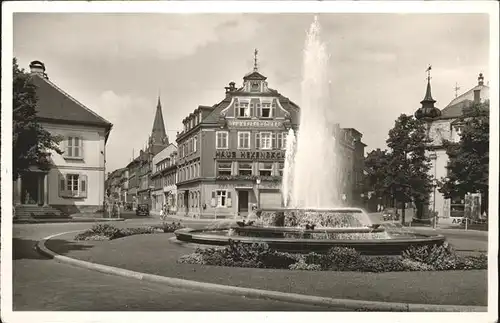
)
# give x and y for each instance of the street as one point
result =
(43, 284)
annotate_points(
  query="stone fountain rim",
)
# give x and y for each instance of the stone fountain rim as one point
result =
(339, 209)
(199, 234)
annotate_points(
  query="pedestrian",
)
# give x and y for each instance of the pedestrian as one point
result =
(162, 212)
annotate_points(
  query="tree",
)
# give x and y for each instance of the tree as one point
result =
(32, 145)
(376, 165)
(408, 179)
(468, 166)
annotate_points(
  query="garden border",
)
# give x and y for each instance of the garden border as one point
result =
(355, 305)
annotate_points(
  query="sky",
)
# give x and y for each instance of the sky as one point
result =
(118, 64)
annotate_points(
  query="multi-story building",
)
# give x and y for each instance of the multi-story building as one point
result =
(444, 125)
(163, 178)
(231, 155)
(74, 182)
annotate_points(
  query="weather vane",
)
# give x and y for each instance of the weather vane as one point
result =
(456, 88)
(255, 67)
(428, 70)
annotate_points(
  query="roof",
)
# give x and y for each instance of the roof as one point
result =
(469, 95)
(454, 109)
(56, 105)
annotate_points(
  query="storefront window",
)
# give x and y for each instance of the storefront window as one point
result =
(265, 169)
(224, 169)
(244, 169)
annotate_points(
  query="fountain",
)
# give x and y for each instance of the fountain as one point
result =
(313, 217)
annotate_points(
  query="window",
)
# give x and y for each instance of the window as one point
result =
(265, 169)
(265, 110)
(224, 168)
(255, 87)
(281, 167)
(222, 198)
(243, 110)
(221, 140)
(244, 169)
(74, 147)
(282, 140)
(243, 140)
(195, 143)
(265, 140)
(73, 185)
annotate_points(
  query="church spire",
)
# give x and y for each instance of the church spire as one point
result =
(158, 134)
(428, 110)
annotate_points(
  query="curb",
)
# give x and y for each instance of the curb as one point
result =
(72, 220)
(355, 305)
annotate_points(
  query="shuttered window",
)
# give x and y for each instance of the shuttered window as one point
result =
(73, 147)
(73, 185)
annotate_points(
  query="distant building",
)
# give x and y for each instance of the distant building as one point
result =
(163, 177)
(133, 182)
(74, 182)
(445, 125)
(231, 154)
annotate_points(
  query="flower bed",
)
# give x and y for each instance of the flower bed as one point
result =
(260, 255)
(101, 232)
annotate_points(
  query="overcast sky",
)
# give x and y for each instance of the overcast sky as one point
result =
(116, 64)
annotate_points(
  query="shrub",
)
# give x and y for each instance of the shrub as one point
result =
(132, 231)
(378, 264)
(302, 265)
(166, 227)
(412, 265)
(472, 262)
(95, 238)
(441, 257)
(193, 258)
(342, 259)
(278, 260)
(106, 230)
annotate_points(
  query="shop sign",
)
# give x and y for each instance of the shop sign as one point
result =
(255, 124)
(254, 155)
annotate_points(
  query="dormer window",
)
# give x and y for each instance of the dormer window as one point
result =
(243, 110)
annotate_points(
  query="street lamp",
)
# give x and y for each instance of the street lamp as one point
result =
(258, 192)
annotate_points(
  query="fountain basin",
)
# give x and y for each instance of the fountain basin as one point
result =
(394, 246)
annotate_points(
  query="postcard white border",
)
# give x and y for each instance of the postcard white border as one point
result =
(402, 7)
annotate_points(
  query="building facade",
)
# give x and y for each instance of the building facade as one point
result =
(445, 125)
(74, 182)
(231, 155)
(164, 178)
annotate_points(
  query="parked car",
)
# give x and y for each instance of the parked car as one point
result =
(142, 209)
(390, 214)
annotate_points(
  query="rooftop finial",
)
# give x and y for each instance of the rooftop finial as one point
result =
(255, 65)
(480, 79)
(456, 88)
(428, 70)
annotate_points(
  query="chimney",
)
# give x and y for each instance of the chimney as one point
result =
(480, 79)
(37, 67)
(477, 96)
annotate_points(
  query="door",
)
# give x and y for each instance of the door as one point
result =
(242, 201)
(186, 201)
(30, 189)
